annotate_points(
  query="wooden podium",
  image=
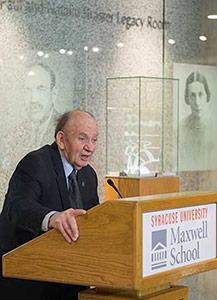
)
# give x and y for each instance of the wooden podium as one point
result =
(109, 252)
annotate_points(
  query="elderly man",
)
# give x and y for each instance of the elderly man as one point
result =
(48, 189)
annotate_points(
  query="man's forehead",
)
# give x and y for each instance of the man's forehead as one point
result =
(82, 133)
(85, 129)
(82, 119)
(82, 126)
(38, 74)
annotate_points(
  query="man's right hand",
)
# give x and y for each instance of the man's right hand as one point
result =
(66, 224)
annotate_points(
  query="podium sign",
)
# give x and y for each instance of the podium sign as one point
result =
(178, 237)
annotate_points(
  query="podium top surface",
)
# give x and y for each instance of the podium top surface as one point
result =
(169, 195)
(169, 201)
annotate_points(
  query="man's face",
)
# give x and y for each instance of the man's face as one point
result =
(39, 93)
(79, 140)
(197, 98)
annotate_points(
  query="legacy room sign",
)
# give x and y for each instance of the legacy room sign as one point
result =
(178, 237)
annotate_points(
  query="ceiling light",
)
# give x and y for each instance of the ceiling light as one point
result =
(95, 49)
(62, 51)
(70, 52)
(85, 48)
(212, 17)
(171, 41)
(40, 53)
(203, 38)
(47, 55)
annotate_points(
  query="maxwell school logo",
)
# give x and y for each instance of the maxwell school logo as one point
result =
(159, 249)
(178, 237)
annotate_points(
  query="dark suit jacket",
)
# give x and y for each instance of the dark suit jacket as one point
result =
(37, 186)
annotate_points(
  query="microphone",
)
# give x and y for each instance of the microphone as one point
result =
(111, 183)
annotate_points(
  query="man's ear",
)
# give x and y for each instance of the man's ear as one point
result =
(60, 140)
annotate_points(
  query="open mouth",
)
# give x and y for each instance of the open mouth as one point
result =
(85, 157)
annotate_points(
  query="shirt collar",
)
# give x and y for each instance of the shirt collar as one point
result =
(66, 165)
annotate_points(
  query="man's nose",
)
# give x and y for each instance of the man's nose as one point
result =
(34, 96)
(89, 146)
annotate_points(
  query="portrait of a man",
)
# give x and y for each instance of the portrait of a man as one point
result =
(40, 96)
(36, 128)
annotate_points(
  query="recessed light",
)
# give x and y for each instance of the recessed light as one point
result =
(70, 52)
(62, 51)
(212, 17)
(203, 38)
(86, 48)
(171, 41)
(40, 53)
(95, 49)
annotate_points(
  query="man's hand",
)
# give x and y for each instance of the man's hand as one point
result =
(66, 224)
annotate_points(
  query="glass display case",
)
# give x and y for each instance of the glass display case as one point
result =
(142, 131)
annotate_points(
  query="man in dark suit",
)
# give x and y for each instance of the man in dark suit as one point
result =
(38, 199)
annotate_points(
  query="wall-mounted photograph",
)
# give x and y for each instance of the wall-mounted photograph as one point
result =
(197, 107)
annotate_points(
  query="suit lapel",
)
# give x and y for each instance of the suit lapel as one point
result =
(60, 176)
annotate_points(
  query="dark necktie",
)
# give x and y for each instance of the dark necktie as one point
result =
(74, 193)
